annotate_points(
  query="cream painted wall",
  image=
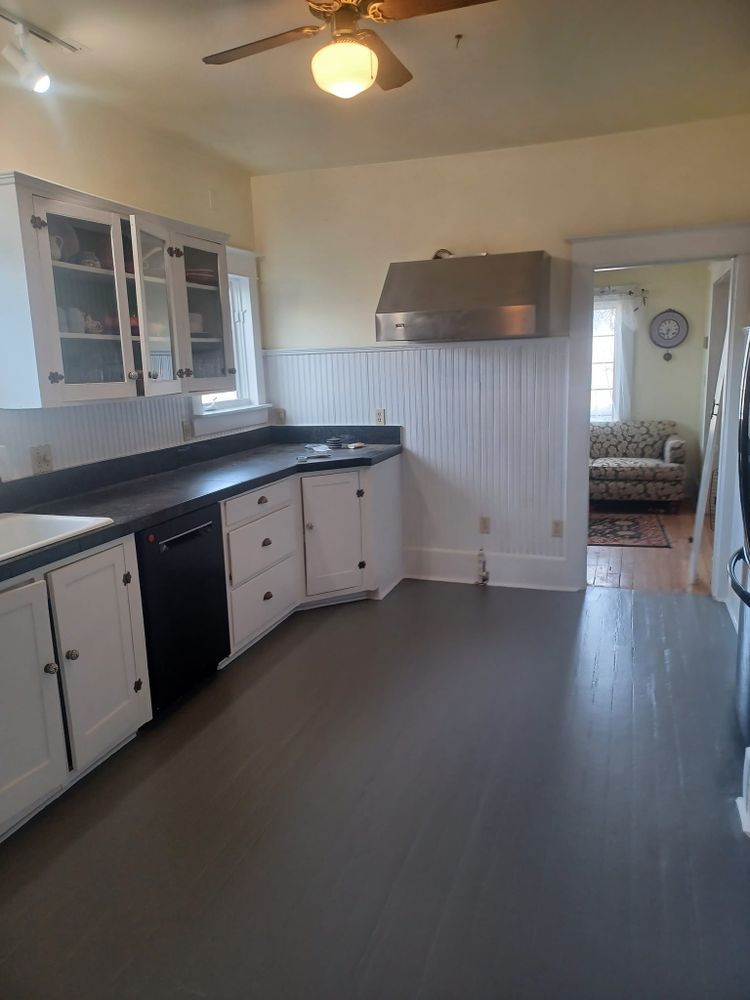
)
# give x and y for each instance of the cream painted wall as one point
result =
(327, 236)
(670, 390)
(93, 149)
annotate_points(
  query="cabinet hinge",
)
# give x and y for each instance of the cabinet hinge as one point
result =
(56, 377)
(127, 578)
(138, 685)
(37, 222)
(362, 564)
(360, 493)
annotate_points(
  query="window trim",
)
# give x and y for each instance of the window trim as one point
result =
(243, 412)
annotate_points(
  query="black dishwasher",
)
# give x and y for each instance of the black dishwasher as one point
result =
(181, 564)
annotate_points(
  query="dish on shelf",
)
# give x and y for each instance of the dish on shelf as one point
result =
(70, 244)
(201, 276)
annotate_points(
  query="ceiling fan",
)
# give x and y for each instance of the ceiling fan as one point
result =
(355, 58)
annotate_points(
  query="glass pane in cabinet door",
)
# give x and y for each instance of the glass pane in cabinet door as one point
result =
(204, 308)
(86, 300)
(156, 323)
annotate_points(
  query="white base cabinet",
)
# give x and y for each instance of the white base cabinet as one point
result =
(95, 642)
(310, 539)
(89, 610)
(332, 507)
(33, 762)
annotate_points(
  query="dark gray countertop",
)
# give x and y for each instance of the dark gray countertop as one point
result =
(144, 502)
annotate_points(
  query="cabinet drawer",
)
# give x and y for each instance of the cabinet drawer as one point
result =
(255, 546)
(258, 502)
(260, 601)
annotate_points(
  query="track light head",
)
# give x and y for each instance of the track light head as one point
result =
(32, 74)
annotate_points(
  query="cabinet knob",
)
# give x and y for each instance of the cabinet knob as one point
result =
(309, 525)
(153, 375)
(265, 543)
(267, 596)
(51, 668)
(231, 371)
(263, 499)
(134, 376)
(72, 654)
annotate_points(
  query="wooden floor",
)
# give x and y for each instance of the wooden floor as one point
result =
(454, 794)
(663, 570)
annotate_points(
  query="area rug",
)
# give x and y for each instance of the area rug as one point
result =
(644, 530)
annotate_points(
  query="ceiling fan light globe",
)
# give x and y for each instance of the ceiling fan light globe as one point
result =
(344, 67)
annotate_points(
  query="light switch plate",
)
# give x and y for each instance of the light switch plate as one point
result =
(41, 459)
(557, 529)
(484, 526)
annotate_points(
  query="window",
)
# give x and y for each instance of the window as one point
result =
(246, 405)
(606, 324)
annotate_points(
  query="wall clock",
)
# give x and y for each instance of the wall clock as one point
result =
(668, 328)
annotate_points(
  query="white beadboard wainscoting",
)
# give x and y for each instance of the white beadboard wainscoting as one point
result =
(91, 432)
(484, 434)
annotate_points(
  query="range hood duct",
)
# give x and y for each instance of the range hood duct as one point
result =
(487, 297)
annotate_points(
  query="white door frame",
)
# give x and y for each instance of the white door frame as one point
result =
(676, 246)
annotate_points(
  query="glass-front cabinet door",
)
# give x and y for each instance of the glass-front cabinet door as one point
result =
(90, 353)
(150, 281)
(206, 352)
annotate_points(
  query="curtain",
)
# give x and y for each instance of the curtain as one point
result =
(626, 304)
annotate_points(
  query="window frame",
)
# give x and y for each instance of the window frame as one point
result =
(249, 410)
(617, 309)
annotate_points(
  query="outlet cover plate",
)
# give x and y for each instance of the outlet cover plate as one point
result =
(485, 526)
(41, 459)
(380, 417)
(557, 529)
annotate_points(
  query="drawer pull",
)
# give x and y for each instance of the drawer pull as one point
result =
(51, 668)
(265, 543)
(267, 596)
(72, 654)
(263, 499)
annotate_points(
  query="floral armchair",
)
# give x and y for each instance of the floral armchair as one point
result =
(636, 460)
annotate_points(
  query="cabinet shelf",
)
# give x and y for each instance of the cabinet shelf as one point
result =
(151, 279)
(201, 287)
(89, 336)
(91, 272)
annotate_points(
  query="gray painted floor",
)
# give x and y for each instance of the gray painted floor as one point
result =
(455, 794)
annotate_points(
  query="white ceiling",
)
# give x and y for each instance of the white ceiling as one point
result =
(525, 71)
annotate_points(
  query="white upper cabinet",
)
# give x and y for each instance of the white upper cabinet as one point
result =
(333, 533)
(102, 303)
(206, 351)
(85, 301)
(33, 762)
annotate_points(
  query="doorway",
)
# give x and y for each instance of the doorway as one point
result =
(677, 246)
(658, 336)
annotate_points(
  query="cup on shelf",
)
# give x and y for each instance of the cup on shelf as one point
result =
(56, 246)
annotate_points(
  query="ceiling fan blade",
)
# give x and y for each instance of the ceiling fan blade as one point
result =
(262, 45)
(391, 71)
(400, 10)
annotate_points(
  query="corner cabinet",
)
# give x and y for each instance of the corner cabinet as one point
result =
(101, 302)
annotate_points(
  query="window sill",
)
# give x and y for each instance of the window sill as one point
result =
(233, 418)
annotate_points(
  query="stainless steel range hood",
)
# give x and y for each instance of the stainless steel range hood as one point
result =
(487, 297)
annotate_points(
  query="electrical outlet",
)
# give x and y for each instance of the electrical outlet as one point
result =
(484, 526)
(557, 529)
(187, 429)
(380, 417)
(41, 459)
(281, 416)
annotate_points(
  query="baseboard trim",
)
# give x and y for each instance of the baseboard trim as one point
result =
(505, 570)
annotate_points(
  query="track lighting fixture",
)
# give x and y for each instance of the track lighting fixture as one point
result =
(32, 75)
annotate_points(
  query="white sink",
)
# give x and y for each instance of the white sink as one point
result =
(21, 533)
